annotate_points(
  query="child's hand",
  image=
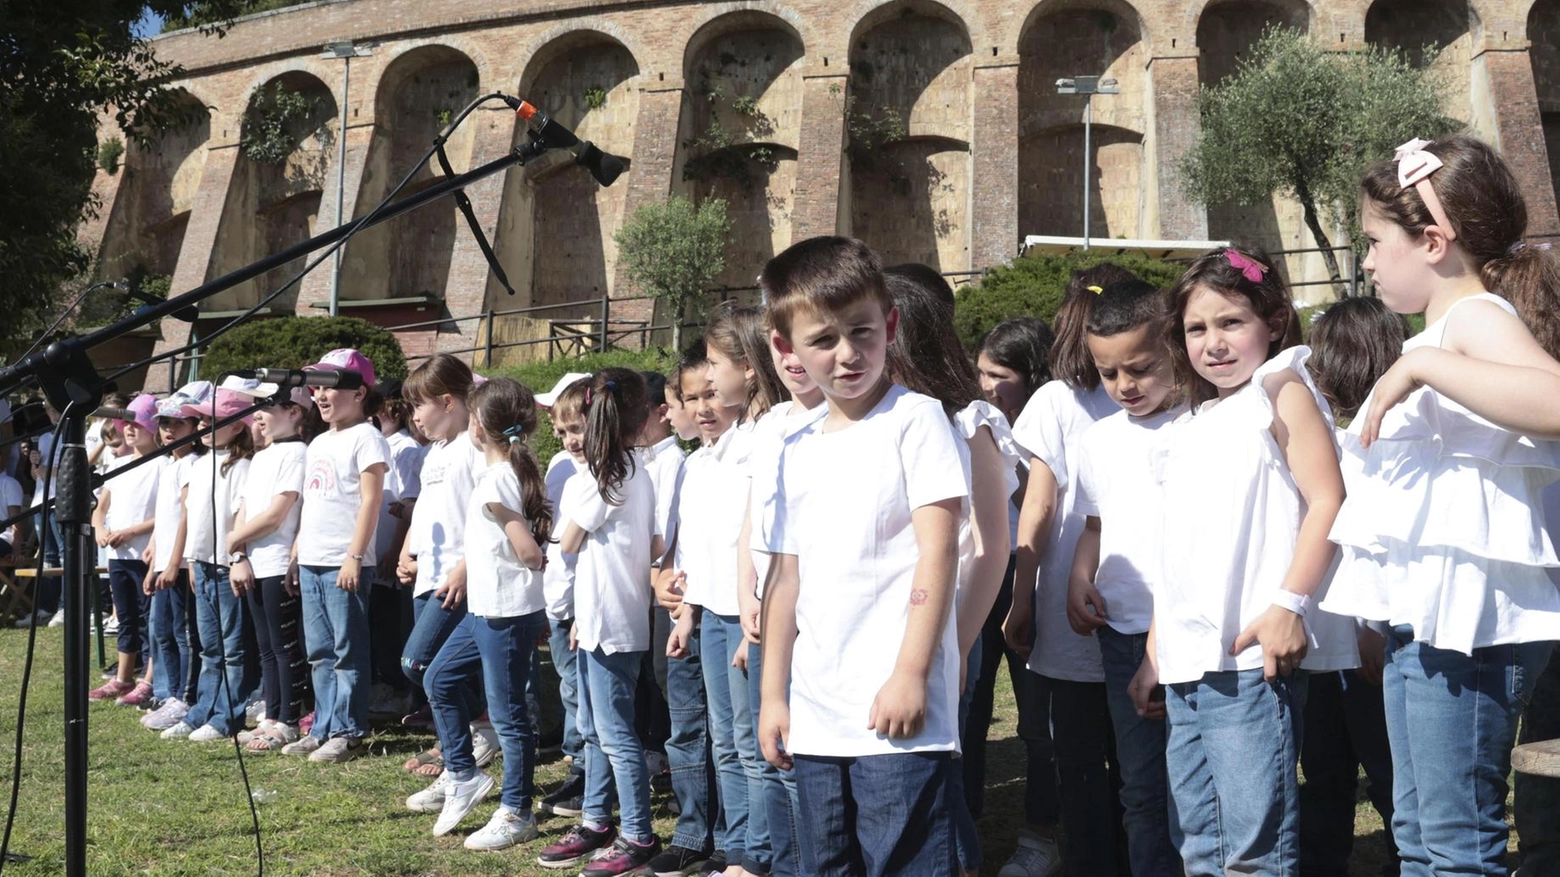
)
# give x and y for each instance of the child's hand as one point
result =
(168, 579)
(774, 726)
(1085, 607)
(751, 611)
(739, 657)
(149, 583)
(1018, 628)
(899, 710)
(406, 570)
(146, 555)
(1143, 687)
(1281, 634)
(681, 638)
(454, 588)
(1394, 387)
(1373, 655)
(349, 576)
(574, 643)
(669, 587)
(101, 537)
(242, 577)
(117, 538)
(290, 578)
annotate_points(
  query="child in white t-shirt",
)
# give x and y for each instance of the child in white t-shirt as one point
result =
(613, 532)
(123, 522)
(342, 489)
(390, 608)
(859, 602)
(11, 504)
(1116, 562)
(262, 546)
(211, 501)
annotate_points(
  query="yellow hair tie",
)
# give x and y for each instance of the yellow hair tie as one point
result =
(1096, 290)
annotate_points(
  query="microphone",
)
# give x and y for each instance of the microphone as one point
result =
(114, 413)
(605, 167)
(186, 314)
(287, 378)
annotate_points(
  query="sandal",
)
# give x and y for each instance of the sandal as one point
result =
(271, 738)
(425, 764)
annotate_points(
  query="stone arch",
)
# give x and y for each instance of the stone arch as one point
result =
(556, 225)
(908, 127)
(1543, 32)
(742, 115)
(271, 205)
(417, 95)
(1412, 26)
(158, 182)
(1062, 40)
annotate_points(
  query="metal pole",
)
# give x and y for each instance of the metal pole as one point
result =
(341, 181)
(1088, 161)
(72, 504)
(605, 302)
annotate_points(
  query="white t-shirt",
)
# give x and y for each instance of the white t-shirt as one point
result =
(845, 504)
(209, 483)
(332, 494)
(612, 593)
(51, 460)
(498, 585)
(1050, 428)
(437, 537)
(711, 508)
(664, 461)
(402, 481)
(1116, 484)
(173, 478)
(132, 499)
(10, 495)
(277, 469)
(566, 485)
(765, 463)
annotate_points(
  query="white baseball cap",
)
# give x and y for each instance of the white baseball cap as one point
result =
(549, 398)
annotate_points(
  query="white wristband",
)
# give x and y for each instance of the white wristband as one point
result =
(1296, 603)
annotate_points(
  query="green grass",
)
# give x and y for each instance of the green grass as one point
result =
(178, 808)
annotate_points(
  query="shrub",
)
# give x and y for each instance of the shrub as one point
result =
(108, 154)
(1033, 286)
(294, 342)
(540, 377)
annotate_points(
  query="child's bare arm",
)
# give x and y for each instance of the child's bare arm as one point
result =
(899, 710)
(1034, 532)
(989, 525)
(573, 538)
(778, 636)
(1085, 606)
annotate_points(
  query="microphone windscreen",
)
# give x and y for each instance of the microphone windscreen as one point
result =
(604, 166)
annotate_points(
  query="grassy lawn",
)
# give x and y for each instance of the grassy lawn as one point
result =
(178, 808)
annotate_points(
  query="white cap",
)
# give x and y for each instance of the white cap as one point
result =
(549, 398)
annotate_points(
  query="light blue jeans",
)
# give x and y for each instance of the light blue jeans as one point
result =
(335, 624)
(734, 742)
(1452, 720)
(1140, 750)
(1232, 755)
(226, 640)
(613, 753)
(174, 663)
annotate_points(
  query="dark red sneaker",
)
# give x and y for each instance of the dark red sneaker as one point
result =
(577, 845)
(623, 857)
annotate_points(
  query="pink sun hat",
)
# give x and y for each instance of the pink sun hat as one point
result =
(229, 403)
(144, 406)
(346, 359)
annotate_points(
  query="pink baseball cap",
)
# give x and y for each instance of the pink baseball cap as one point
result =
(229, 403)
(347, 359)
(144, 406)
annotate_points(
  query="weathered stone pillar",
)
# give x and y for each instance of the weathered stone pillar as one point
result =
(994, 164)
(1513, 98)
(465, 290)
(650, 179)
(1177, 126)
(820, 157)
(315, 286)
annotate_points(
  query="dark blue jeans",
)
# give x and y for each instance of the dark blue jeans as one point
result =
(390, 616)
(431, 628)
(1345, 730)
(688, 748)
(1537, 802)
(278, 621)
(566, 662)
(1140, 748)
(877, 815)
(779, 785)
(227, 639)
(131, 604)
(49, 587)
(175, 642)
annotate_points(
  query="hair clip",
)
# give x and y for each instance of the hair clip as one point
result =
(609, 384)
(515, 430)
(1519, 246)
(1249, 268)
(1096, 290)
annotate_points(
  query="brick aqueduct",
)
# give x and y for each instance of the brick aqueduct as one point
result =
(930, 129)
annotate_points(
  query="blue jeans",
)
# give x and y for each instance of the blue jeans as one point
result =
(335, 624)
(613, 753)
(1235, 798)
(226, 641)
(390, 615)
(688, 748)
(566, 662)
(1345, 730)
(131, 605)
(175, 664)
(1140, 750)
(51, 587)
(876, 816)
(431, 628)
(1537, 801)
(735, 745)
(1088, 778)
(779, 785)
(1452, 720)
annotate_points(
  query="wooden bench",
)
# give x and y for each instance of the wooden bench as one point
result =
(15, 599)
(30, 573)
(1539, 759)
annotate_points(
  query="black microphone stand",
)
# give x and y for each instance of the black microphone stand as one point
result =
(73, 385)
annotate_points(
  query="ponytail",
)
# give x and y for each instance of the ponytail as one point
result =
(1528, 276)
(616, 405)
(506, 411)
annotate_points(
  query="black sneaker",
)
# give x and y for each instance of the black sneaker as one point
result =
(715, 867)
(568, 800)
(676, 861)
(624, 857)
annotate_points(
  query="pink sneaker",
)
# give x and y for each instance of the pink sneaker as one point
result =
(139, 697)
(111, 689)
(304, 724)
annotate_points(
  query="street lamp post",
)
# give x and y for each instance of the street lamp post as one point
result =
(345, 50)
(1088, 86)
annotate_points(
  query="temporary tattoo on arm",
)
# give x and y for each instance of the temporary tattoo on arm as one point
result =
(918, 597)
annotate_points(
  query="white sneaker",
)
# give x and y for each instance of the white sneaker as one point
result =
(110, 626)
(461, 796)
(431, 799)
(1035, 856)
(172, 712)
(206, 733)
(484, 743)
(177, 731)
(59, 621)
(503, 831)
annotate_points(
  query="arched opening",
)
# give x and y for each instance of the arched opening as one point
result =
(1065, 41)
(418, 95)
(1415, 27)
(742, 118)
(908, 129)
(1544, 34)
(287, 144)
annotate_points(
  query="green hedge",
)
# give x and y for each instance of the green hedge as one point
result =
(294, 342)
(540, 377)
(1033, 286)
